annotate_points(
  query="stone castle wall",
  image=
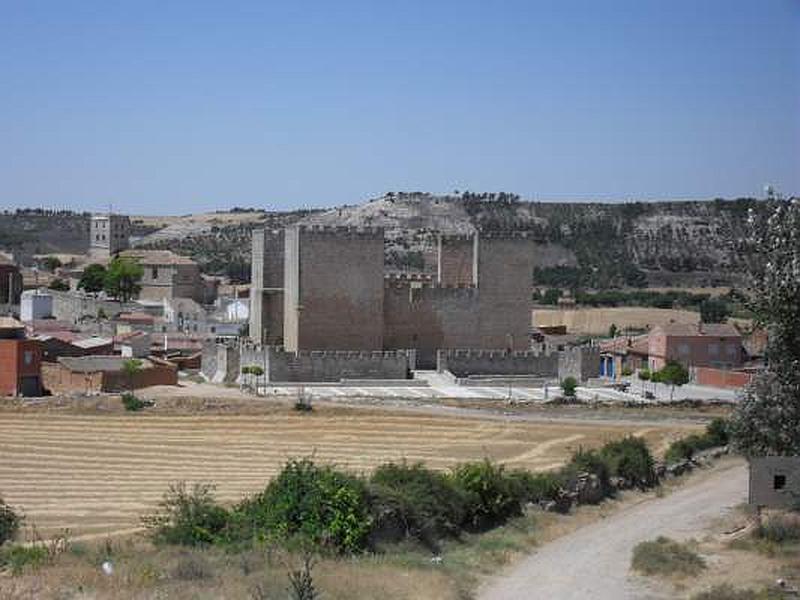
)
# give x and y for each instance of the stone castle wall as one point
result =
(333, 298)
(456, 260)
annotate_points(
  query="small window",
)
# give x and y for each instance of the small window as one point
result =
(779, 482)
(155, 272)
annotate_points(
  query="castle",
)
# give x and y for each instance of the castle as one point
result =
(324, 288)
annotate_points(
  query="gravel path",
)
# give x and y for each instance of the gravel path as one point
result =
(594, 561)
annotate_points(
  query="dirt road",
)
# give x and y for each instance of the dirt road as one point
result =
(594, 562)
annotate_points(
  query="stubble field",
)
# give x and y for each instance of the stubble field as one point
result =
(98, 474)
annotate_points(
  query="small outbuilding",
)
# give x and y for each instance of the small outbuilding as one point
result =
(775, 482)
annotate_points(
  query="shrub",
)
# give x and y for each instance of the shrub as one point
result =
(10, 522)
(569, 386)
(426, 502)
(192, 567)
(717, 432)
(16, 558)
(588, 461)
(134, 404)
(313, 504)
(538, 487)
(188, 517)
(493, 496)
(679, 450)
(630, 459)
(779, 529)
(664, 556)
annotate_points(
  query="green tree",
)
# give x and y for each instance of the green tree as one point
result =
(256, 372)
(93, 278)
(10, 522)
(612, 331)
(131, 368)
(673, 374)
(714, 310)
(122, 278)
(59, 285)
(767, 419)
(569, 386)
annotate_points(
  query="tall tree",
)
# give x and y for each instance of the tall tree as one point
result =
(122, 278)
(673, 374)
(767, 419)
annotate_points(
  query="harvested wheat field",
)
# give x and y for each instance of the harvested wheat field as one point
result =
(97, 474)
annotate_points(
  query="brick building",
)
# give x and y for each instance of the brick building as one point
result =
(716, 345)
(95, 374)
(323, 288)
(20, 361)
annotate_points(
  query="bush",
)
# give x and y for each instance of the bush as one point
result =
(10, 522)
(188, 517)
(588, 461)
(630, 459)
(679, 450)
(312, 504)
(134, 404)
(717, 432)
(569, 386)
(493, 496)
(538, 487)
(16, 558)
(426, 503)
(664, 556)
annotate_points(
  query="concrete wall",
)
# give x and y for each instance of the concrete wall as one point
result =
(765, 475)
(71, 306)
(333, 289)
(456, 260)
(220, 362)
(463, 363)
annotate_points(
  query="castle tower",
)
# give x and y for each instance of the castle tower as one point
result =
(109, 234)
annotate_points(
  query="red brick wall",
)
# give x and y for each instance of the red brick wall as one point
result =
(8, 367)
(721, 377)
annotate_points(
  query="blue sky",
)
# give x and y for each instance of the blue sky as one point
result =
(177, 107)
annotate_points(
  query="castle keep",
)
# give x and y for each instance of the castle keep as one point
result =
(324, 288)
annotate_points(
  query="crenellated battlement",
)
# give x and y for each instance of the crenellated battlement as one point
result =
(341, 231)
(453, 238)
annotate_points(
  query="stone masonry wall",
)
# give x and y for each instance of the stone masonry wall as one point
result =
(505, 268)
(456, 265)
(462, 363)
(333, 295)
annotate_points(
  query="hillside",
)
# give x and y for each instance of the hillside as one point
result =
(598, 245)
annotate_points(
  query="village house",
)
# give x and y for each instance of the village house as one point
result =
(716, 345)
(168, 275)
(96, 374)
(20, 361)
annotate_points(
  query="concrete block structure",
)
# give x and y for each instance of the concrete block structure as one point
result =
(109, 235)
(36, 304)
(774, 481)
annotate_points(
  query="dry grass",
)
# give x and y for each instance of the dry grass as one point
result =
(96, 474)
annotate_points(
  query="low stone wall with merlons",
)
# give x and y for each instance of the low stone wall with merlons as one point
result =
(327, 366)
